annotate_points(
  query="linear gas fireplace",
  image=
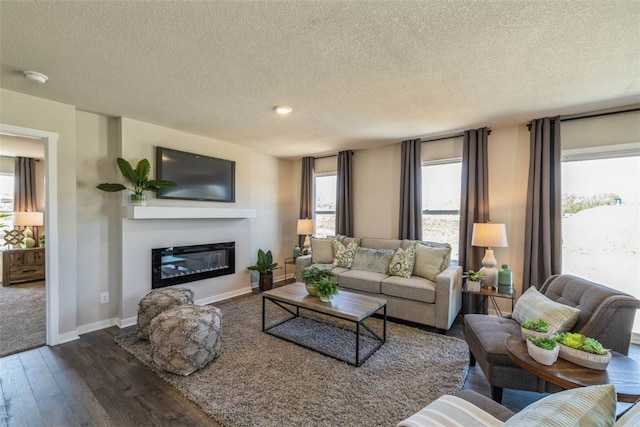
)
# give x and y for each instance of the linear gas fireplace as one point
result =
(182, 264)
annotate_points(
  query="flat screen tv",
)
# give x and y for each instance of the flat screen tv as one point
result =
(197, 177)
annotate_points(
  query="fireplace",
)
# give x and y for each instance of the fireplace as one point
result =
(182, 264)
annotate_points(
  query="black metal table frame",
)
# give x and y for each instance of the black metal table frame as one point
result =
(296, 313)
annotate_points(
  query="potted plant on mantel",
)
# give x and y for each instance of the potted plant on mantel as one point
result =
(265, 267)
(139, 178)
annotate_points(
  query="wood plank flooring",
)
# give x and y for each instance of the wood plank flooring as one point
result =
(93, 382)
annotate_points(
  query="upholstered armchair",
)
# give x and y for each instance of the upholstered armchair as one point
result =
(605, 314)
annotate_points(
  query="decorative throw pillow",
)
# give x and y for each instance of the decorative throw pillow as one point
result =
(430, 261)
(533, 305)
(376, 260)
(321, 251)
(344, 254)
(402, 262)
(450, 410)
(579, 407)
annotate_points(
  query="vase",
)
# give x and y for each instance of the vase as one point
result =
(583, 358)
(311, 289)
(138, 200)
(265, 281)
(528, 332)
(542, 356)
(473, 285)
(325, 299)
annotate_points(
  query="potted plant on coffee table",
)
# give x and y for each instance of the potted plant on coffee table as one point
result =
(326, 289)
(543, 350)
(139, 180)
(265, 267)
(312, 275)
(538, 328)
(583, 351)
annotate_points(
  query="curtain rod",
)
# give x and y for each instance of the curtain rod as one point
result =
(2, 156)
(592, 115)
(456, 135)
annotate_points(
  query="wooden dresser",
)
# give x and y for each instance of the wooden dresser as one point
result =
(22, 265)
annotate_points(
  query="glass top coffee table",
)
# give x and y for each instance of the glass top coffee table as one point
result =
(348, 306)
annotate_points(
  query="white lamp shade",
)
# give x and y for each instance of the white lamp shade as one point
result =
(305, 227)
(489, 235)
(28, 218)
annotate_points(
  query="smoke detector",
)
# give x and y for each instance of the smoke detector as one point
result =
(36, 77)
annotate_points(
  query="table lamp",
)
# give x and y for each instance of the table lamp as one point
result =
(490, 236)
(28, 219)
(305, 228)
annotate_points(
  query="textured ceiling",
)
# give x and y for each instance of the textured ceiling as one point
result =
(357, 73)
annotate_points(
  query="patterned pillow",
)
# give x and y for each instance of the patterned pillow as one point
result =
(586, 406)
(321, 251)
(533, 305)
(344, 254)
(376, 260)
(402, 262)
(430, 261)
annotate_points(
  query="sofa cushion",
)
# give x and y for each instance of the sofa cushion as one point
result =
(586, 406)
(450, 410)
(430, 261)
(414, 288)
(402, 262)
(533, 305)
(376, 260)
(375, 243)
(321, 250)
(487, 334)
(343, 255)
(630, 417)
(362, 280)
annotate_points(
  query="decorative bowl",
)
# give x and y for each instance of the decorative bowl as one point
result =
(542, 356)
(582, 358)
(528, 332)
(311, 289)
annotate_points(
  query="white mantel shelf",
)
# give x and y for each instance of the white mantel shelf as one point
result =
(177, 212)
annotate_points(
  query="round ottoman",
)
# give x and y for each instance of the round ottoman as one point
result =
(157, 301)
(185, 339)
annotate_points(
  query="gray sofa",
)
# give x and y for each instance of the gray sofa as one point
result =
(416, 299)
(605, 314)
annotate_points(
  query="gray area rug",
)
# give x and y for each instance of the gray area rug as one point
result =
(261, 380)
(22, 317)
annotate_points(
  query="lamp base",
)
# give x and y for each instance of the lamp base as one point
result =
(490, 271)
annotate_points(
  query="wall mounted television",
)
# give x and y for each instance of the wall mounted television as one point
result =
(197, 177)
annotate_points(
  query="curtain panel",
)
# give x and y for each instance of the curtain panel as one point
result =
(474, 202)
(306, 192)
(344, 194)
(24, 189)
(411, 191)
(543, 226)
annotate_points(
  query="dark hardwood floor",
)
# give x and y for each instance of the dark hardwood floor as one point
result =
(93, 382)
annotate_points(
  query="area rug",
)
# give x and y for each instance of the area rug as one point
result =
(22, 317)
(261, 380)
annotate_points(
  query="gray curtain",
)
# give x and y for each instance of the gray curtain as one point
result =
(411, 191)
(24, 189)
(474, 202)
(306, 192)
(543, 230)
(344, 194)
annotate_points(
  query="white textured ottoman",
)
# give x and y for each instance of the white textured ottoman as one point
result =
(157, 301)
(186, 338)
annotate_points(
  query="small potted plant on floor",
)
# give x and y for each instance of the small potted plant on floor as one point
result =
(543, 350)
(326, 289)
(583, 351)
(139, 179)
(312, 275)
(474, 280)
(538, 328)
(265, 267)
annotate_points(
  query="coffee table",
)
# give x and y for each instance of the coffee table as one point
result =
(349, 306)
(622, 371)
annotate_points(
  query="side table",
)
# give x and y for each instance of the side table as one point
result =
(488, 296)
(289, 261)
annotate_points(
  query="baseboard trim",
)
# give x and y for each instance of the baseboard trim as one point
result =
(224, 296)
(96, 326)
(68, 337)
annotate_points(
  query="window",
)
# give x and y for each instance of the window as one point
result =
(601, 218)
(441, 202)
(6, 200)
(325, 205)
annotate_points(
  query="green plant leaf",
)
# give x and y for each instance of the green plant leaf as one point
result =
(111, 187)
(155, 185)
(143, 169)
(127, 170)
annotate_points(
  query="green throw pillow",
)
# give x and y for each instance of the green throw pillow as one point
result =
(430, 261)
(321, 250)
(376, 260)
(579, 407)
(533, 305)
(344, 254)
(402, 262)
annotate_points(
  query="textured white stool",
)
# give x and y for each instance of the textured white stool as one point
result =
(186, 338)
(157, 301)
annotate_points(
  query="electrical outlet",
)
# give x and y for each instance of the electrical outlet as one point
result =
(104, 297)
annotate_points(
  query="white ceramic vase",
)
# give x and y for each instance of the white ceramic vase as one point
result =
(582, 358)
(542, 356)
(527, 332)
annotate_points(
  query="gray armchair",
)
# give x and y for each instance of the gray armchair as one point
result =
(605, 314)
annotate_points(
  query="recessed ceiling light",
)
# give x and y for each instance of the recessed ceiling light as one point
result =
(283, 109)
(36, 77)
